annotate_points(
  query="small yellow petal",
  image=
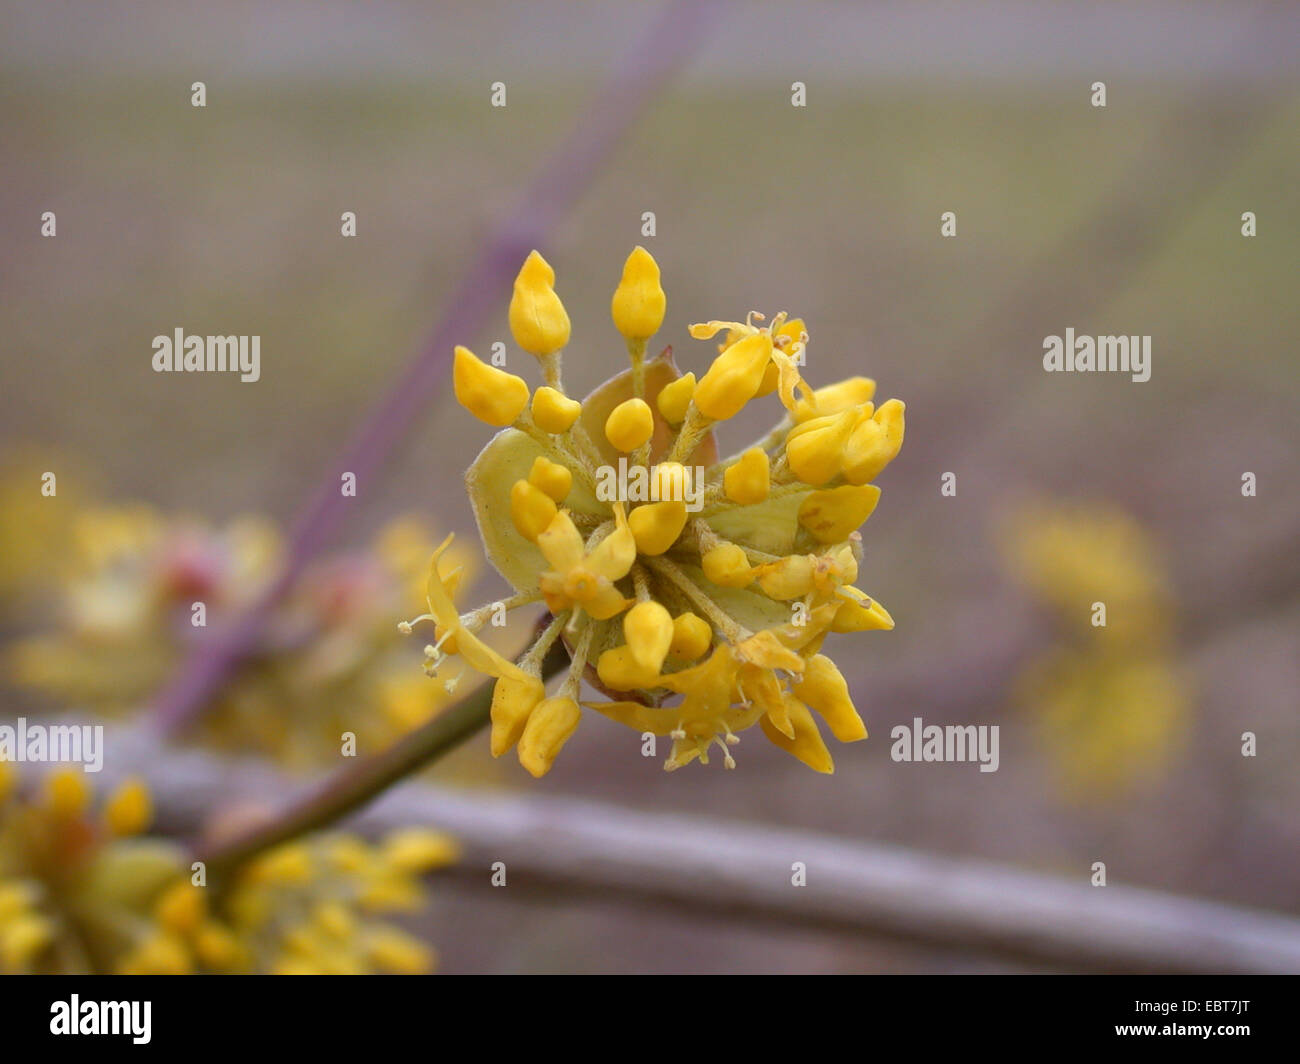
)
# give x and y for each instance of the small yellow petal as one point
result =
(815, 449)
(548, 729)
(858, 613)
(875, 443)
(612, 558)
(771, 378)
(734, 377)
(513, 699)
(807, 744)
(561, 543)
(823, 688)
(831, 515)
(787, 579)
(840, 396)
(620, 670)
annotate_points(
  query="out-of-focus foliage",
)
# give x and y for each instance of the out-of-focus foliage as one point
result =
(120, 590)
(83, 891)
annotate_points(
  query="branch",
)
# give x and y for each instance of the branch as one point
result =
(743, 870)
(353, 787)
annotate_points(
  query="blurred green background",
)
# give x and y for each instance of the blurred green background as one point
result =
(1123, 219)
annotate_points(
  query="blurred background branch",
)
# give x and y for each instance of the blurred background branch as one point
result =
(574, 164)
(743, 872)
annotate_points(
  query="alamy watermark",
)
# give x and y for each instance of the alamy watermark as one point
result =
(635, 483)
(78, 1017)
(949, 742)
(60, 743)
(179, 353)
(1098, 354)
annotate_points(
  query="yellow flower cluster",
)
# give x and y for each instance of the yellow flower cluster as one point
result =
(1109, 699)
(331, 663)
(695, 592)
(82, 893)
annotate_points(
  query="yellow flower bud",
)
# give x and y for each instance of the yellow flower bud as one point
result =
(831, 515)
(538, 319)
(513, 699)
(548, 729)
(22, 940)
(129, 808)
(490, 394)
(398, 953)
(807, 744)
(287, 864)
(551, 477)
(160, 954)
(789, 578)
(630, 424)
(771, 378)
(815, 449)
(66, 793)
(875, 443)
(639, 302)
(181, 908)
(16, 897)
(531, 509)
(656, 525)
(749, 480)
(861, 614)
(418, 850)
(216, 948)
(674, 398)
(734, 377)
(670, 481)
(554, 411)
(692, 636)
(838, 397)
(727, 566)
(648, 628)
(823, 688)
(619, 670)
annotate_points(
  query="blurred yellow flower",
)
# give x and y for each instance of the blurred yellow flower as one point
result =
(84, 893)
(134, 582)
(1109, 699)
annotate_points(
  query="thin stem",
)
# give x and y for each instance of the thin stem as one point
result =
(354, 786)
